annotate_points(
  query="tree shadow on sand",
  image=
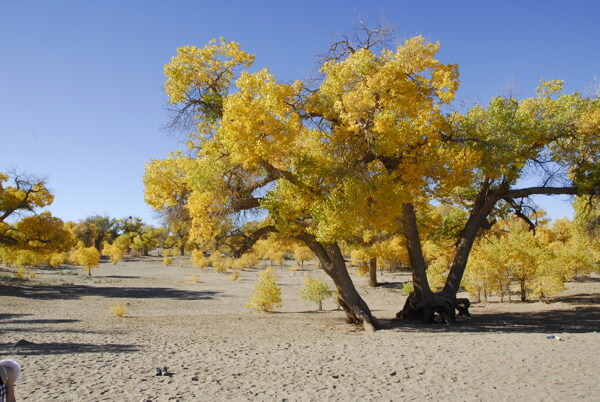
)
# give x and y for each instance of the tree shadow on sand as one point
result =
(20, 324)
(69, 292)
(60, 348)
(578, 320)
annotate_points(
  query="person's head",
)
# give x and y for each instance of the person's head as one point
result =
(13, 367)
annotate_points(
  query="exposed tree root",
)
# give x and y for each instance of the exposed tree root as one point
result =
(357, 316)
(445, 307)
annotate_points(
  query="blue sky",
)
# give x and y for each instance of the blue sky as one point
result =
(80, 81)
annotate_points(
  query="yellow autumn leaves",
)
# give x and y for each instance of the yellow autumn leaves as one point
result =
(336, 158)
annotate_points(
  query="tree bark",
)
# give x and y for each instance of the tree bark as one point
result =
(331, 259)
(373, 273)
(485, 202)
(422, 303)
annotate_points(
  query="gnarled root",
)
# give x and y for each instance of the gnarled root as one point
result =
(357, 316)
(462, 307)
(416, 310)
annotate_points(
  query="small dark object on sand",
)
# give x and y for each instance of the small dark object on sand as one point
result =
(163, 371)
(23, 342)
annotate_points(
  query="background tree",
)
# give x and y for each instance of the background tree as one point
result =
(166, 189)
(147, 239)
(316, 291)
(302, 254)
(267, 293)
(105, 229)
(85, 232)
(87, 257)
(27, 235)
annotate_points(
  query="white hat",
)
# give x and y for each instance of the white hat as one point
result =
(14, 366)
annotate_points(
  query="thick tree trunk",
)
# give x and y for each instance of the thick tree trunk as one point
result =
(331, 259)
(373, 272)
(523, 290)
(426, 304)
(422, 303)
(483, 206)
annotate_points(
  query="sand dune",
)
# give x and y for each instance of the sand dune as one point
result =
(216, 349)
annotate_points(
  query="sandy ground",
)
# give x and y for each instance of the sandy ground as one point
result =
(216, 349)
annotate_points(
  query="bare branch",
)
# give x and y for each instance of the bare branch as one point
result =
(376, 38)
(526, 192)
(518, 210)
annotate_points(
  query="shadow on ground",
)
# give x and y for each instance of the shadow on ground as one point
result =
(72, 291)
(577, 320)
(53, 348)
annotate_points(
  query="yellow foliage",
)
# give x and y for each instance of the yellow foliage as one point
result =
(209, 69)
(335, 162)
(87, 257)
(21, 272)
(234, 277)
(316, 291)
(408, 288)
(199, 260)
(119, 310)
(114, 252)
(387, 104)
(57, 259)
(166, 180)
(302, 254)
(439, 258)
(267, 293)
(246, 261)
(363, 269)
(223, 264)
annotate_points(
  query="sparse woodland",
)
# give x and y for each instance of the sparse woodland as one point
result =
(366, 162)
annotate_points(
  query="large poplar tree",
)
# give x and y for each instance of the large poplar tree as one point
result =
(360, 151)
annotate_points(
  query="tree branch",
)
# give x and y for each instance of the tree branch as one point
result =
(249, 241)
(519, 212)
(526, 192)
(284, 174)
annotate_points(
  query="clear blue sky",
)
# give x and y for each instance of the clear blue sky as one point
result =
(80, 81)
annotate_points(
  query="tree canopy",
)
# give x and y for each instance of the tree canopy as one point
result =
(26, 235)
(361, 152)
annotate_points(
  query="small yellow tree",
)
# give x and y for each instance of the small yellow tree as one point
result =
(302, 254)
(246, 261)
(87, 257)
(267, 293)
(114, 252)
(316, 291)
(199, 260)
(167, 257)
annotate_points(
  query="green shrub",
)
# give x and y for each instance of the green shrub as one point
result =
(316, 291)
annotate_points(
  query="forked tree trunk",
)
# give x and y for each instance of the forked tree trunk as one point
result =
(331, 259)
(422, 303)
(373, 272)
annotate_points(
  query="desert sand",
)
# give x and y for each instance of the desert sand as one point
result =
(194, 322)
